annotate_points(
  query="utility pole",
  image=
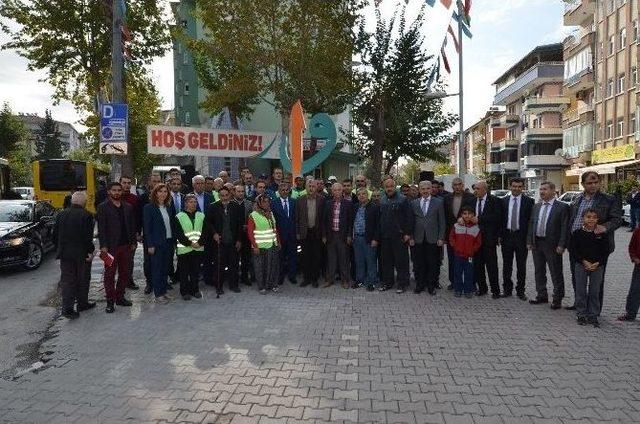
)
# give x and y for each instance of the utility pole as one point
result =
(461, 164)
(119, 164)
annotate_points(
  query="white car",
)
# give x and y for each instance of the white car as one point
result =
(27, 193)
(568, 196)
(500, 193)
(626, 213)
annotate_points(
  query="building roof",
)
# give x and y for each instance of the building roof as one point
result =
(545, 53)
(33, 119)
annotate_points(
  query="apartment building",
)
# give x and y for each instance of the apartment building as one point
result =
(578, 119)
(69, 136)
(531, 92)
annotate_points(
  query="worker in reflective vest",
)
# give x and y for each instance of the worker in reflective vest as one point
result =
(265, 244)
(190, 247)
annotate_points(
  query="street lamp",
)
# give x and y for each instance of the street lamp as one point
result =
(460, 150)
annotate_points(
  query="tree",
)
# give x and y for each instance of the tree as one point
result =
(444, 169)
(47, 139)
(279, 51)
(12, 131)
(409, 172)
(393, 113)
(20, 164)
(71, 41)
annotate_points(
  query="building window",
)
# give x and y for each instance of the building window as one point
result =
(608, 130)
(634, 30)
(634, 76)
(609, 87)
(186, 88)
(612, 44)
(632, 124)
(623, 38)
(620, 87)
(187, 118)
(620, 127)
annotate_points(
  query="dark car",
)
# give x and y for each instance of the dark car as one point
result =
(26, 228)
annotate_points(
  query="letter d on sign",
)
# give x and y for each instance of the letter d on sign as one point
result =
(107, 111)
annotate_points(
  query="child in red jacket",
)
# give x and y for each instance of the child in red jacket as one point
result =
(465, 241)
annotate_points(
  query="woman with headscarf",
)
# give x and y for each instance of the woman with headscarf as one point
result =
(265, 244)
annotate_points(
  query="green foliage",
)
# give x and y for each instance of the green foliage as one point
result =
(71, 40)
(20, 165)
(278, 51)
(12, 131)
(622, 188)
(444, 169)
(393, 113)
(409, 172)
(47, 139)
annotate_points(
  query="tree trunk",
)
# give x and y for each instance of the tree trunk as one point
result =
(392, 161)
(377, 150)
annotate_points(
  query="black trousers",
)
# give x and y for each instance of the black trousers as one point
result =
(428, 262)
(415, 262)
(174, 273)
(394, 256)
(486, 259)
(572, 267)
(312, 257)
(146, 264)
(74, 283)
(246, 261)
(226, 265)
(189, 272)
(514, 244)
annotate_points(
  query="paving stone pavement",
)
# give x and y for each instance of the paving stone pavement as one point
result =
(336, 355)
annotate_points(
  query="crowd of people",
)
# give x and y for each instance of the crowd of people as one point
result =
(266, 231)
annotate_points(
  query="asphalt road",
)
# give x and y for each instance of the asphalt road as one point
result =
(27, 308)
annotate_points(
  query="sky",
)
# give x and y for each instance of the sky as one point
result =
(503, 32)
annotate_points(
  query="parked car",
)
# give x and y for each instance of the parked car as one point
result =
(626, 213)
(26, 232)
(27, 193)
(568, 196)
(534, 194)
(500, 193)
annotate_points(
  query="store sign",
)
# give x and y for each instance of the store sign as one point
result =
(613, 154)
(193, 141)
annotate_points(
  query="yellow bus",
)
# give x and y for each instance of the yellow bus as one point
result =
(54, 179)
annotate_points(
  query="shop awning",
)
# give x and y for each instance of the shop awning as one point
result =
(605, 168)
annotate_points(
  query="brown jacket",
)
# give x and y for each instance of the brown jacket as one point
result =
(302, 216)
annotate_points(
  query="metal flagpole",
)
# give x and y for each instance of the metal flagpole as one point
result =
(461, 164)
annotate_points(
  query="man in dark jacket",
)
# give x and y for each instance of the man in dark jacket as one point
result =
(609, 212)
(284, 211)
(396, 228)
(452, 203)
(73, 233)
(153, 180)
(489, 217)
(222, 228)
(366, 238)
(308, 220)
(117, 236)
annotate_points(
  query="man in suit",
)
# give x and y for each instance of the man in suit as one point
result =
(336, 234)
(246, 207)
(309, 209)
(223, 228)
(428, 236)
(176, 206)
(73, 234)
(366, 236)
(452, 203)
(284, 210)
(489, 218)
(204, 198)
(117, 236)
(134, 201)
(517, 212)
(249, 187)
(609, 211)
(547, 240)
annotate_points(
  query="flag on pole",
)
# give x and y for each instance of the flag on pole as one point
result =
(455, 39)
(465, 27)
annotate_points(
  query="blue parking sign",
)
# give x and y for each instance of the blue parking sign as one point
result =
(114, 128)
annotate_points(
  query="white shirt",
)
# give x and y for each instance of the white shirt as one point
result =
(518, 200)
(200, 198)
(176, 201)
(285, 205)
(484, 203)
(550, 202)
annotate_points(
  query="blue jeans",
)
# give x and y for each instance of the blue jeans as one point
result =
(159, 269)
(462, 275)
(366, 259)
(634, 217)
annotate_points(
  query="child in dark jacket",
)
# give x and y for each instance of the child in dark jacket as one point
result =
(465, 240)
(591, 251)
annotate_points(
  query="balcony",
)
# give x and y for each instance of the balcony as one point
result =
(533, 134)
(535, 105)
(575, 151)
(539, 74)
(508, 144)
(505, 121)
(502, 167)
(579, 12)
(533, 161)
(581, 81)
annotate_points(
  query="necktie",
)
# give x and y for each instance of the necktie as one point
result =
(286, 207)
(542, 225)
(514, 215)
(479, 207)
(424, 207)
